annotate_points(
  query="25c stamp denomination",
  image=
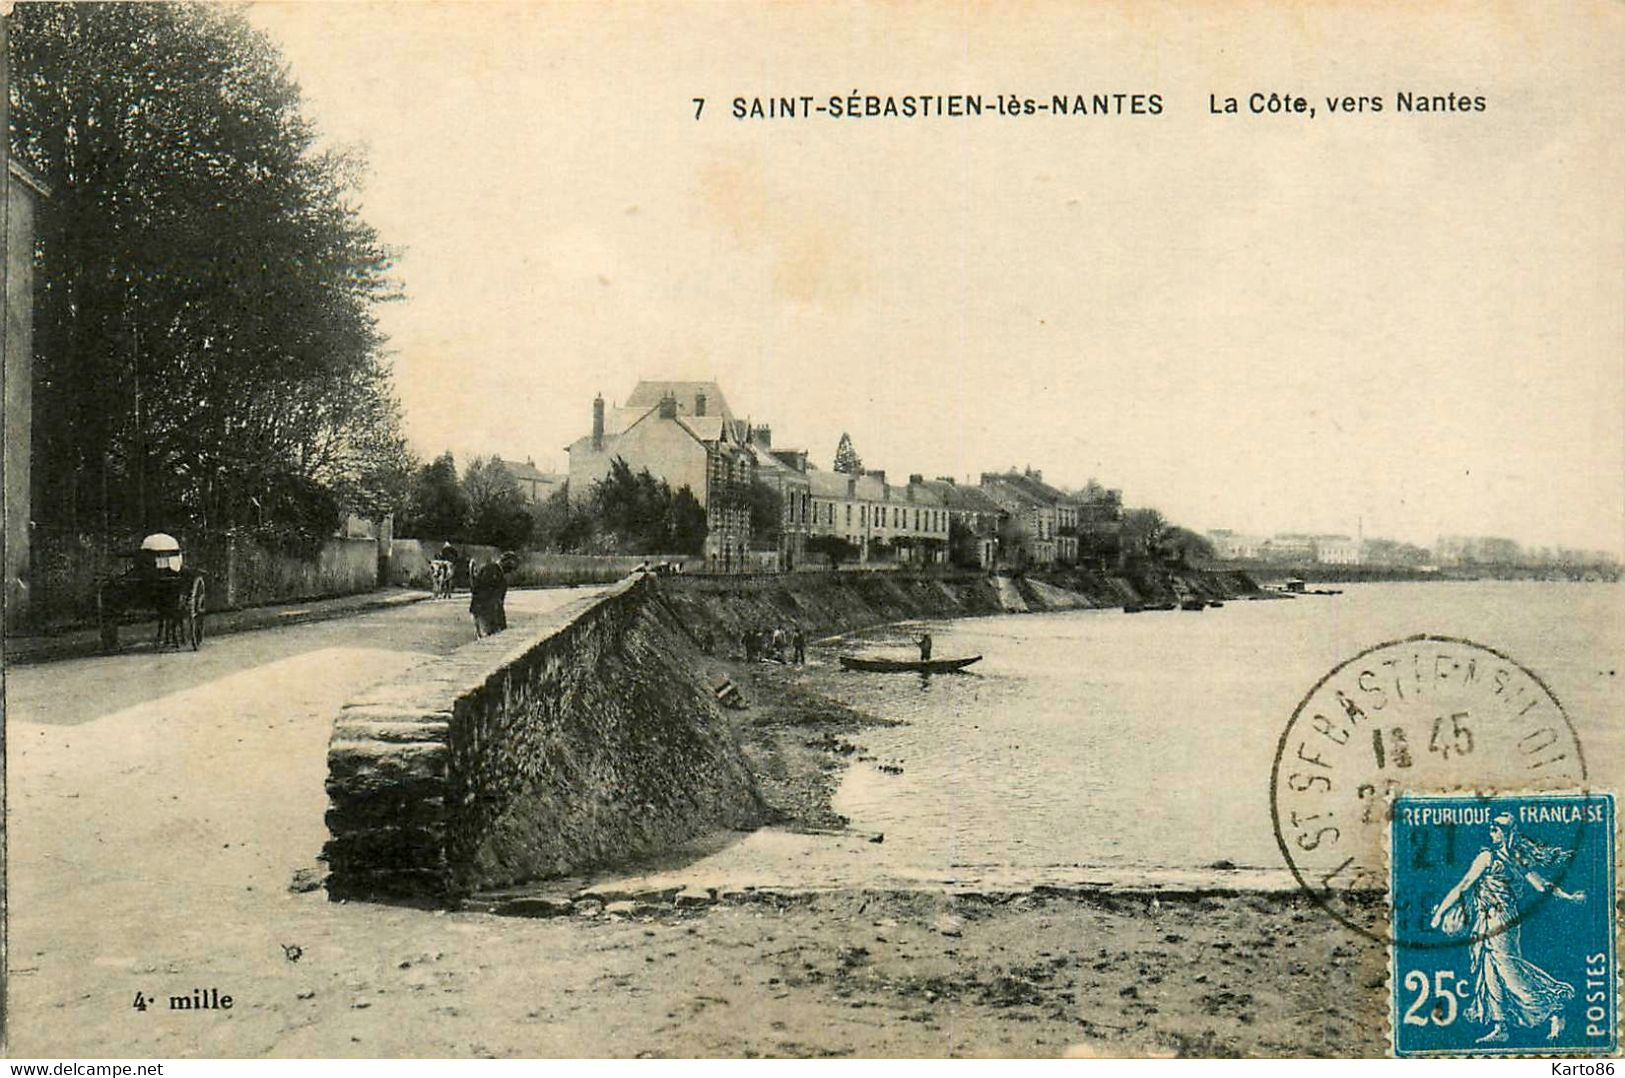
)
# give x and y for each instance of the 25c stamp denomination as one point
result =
(1503, 924)
(1430, 713)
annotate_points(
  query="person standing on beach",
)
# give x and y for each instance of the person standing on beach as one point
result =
(925, 648)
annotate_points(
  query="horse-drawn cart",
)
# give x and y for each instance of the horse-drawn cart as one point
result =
(158, 584)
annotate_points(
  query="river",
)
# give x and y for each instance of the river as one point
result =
(1101, 740)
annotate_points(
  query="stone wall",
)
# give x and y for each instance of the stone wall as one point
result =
(581, 742)
(68, 567)
(253, 576)
(409, 564)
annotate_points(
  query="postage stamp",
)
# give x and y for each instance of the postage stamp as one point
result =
(1502, 932)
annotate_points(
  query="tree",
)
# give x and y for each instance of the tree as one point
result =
(846, 458)
(497, 515)
(964, 549)
(1142, 530)
(688, 523)
(436, 506)
(766, 514)
(205, 330)
(634, 510)
(1014, 535)
(1184, 546)
(557, 524)
(833, 547)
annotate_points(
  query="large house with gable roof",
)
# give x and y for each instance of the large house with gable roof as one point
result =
(683, 433)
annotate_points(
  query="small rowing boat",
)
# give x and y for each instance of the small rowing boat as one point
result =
(901, 666)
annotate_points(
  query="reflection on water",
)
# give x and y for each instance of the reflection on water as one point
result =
(1146, 740)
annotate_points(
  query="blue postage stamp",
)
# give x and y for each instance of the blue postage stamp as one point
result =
(1503, 925)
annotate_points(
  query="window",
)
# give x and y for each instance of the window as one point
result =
(849, 514)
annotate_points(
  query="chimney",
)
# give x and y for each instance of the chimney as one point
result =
(762, 435)
(699, 403)
(598, 422)
(878, 473)
(946, 479)
(916, 479)
(668, 407)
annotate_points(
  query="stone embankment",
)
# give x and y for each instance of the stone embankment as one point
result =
(596, 738)
(827, 603)
(582, 742)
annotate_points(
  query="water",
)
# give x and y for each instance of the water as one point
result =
(1145, 741)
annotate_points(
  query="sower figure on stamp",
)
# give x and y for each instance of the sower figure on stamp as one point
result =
(488, 593)
(1506, 986)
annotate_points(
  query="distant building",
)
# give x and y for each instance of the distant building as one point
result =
(1098, 522)
(978, 515)
(1234, 546)
(848, 506)
(785, 471)
(1286, 548)
(1337, 550)
(683, 433)
(1035, 508)
(536, 486)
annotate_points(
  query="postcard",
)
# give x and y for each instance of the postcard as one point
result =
(880, 530)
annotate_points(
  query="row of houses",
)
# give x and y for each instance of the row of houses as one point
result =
(1287, 548)
(685, 434)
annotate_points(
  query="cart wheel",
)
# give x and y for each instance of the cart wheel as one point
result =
(106, 622)
(192, 627)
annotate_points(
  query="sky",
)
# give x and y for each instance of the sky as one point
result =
(1407, 324)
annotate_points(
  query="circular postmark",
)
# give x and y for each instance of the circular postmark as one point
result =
(1426, 714)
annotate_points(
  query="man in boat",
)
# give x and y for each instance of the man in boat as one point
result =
(925, 647)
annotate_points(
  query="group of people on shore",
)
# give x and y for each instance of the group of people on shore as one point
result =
(770, 644)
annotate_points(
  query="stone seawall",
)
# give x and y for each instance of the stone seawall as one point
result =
(827, 603)
(823, 603)
(579, 743)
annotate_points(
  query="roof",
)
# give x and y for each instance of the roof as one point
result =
(1025, 486)
(964, 499)
(827, 484)
(768, 461)
(525, 471)
(867, 488)
(924, 494)
(648, 394)
(707, 428)
(1099, 496)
